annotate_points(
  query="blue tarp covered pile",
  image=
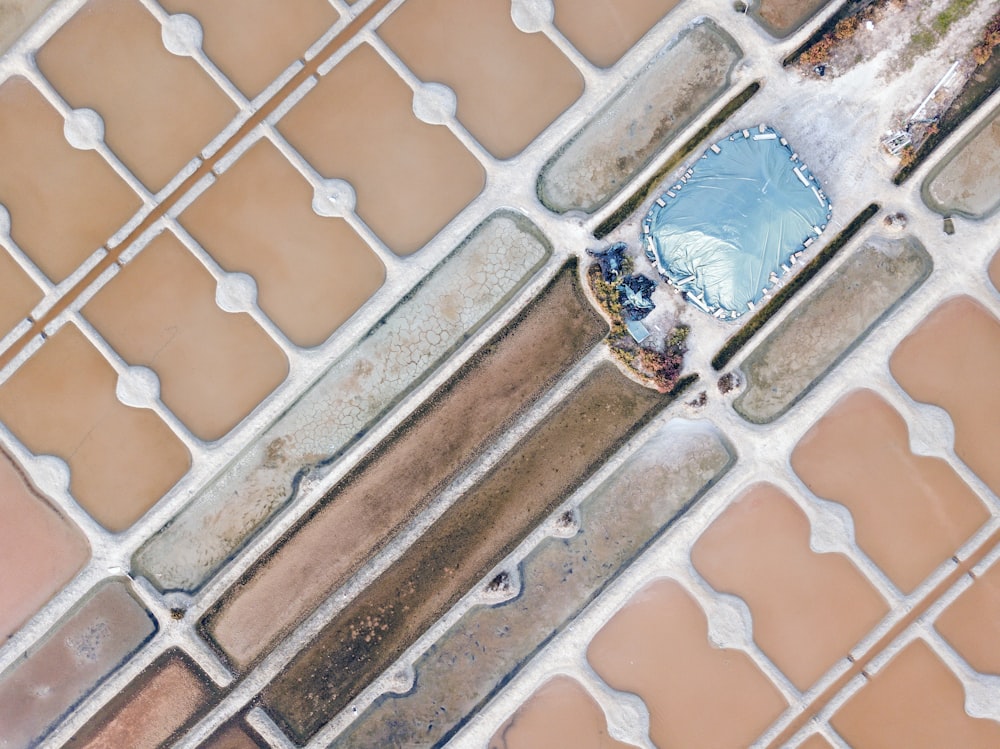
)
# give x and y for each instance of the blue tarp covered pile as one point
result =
(736, 222)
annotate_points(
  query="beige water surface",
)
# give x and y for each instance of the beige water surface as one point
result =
(254, 41)
(159, 109)
(64, 203)
(698, 696)
(18, 293)
(558, 715)
(972, 623)
(952, 360)
(410, 178)
(604, 30)
(40, 550)
(808, 609)
(62, 402)
(911, 512)
(916, 702)
(815, 742)
(312, 272)
(78, 653)
(160, 312)
(510, 85)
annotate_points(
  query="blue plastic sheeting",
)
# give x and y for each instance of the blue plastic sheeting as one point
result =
(736, 222)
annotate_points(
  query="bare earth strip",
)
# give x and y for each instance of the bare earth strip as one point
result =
(458, 297)
(475, 658)
(409, 468)
(827, 325)
(468, 540)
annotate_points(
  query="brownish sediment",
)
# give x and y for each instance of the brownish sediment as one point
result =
(152, 709)
(782, 17)
(472, 536)
(471, 662)
(406, 471)
(234, 735)
(808, 609)
(951, 360)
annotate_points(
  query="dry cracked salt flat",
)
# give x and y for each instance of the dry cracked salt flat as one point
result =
(311, 431)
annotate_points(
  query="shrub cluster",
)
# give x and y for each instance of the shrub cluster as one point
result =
(660, 366)
(820, 50)
(982, 52)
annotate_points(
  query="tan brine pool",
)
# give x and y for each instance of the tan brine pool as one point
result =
(948, 361)
(911, 512)
(559, 714)
(698, 695)
(808, 609)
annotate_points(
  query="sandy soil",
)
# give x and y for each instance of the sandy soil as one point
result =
(633, 127)
(832, 320)
(968, 181)
(906, 51)
(782, 17)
